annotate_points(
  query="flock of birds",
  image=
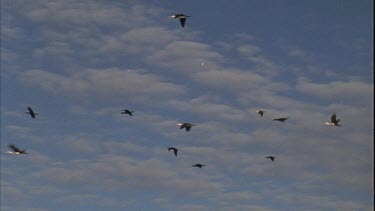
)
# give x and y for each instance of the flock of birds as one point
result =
(185, 125)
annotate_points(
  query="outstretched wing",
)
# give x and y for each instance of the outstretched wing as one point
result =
(182, 21)
(281, 119)
(14, 148)
(333, 118)
(188, 127)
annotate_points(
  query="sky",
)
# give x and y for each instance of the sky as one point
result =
(80, 63)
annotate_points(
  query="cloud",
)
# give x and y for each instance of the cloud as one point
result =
(349, 90)
(260, 63)
(116, 173)
(141, 64)
(204, 106)
(55, 83)
(249, 50)
(185, 57)
(229, 79)
(89, 14)
(104, 83)
(18, 129)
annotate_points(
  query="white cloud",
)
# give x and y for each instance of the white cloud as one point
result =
(89, 13)
(204, 106)
(229, 79)
(186, 57)
(105, 83)
(353, 91)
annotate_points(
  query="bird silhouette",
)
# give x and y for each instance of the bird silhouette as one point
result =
(31, 112)
(283, 119)
(271, 157)
(334, 121)
(185, 125)
(260, 112)
(126, 111)
(175, 150)
(182, 18)
(16, 150)
(198, 165)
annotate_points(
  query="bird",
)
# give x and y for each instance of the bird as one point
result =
(334, 121)
(283, 119)
(182, 18)
(185, 125)
(126, 111)
(175, 150)
(271, 157)
(31, 112)
(16, 150)
(260, 112)
(198, 165)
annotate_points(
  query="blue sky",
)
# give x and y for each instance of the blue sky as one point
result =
(78, 64)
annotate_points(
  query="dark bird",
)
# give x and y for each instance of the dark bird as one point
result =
(281, 119)
(31, 112)
(198, 165)
(271, 157)
(334, 121)
(175, 150)
(185, 125)
(182, 18)
(16, 150)
(126, 111)
(260, 113)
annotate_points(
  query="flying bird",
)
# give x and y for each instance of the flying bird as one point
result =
(31, 112)
(198, 165)
(126, 111)
(283, 119)
(16, 150)
(271, 157)
(175, 150)
(334, 121)
(260, 113)
(185, 125)
(182, 18)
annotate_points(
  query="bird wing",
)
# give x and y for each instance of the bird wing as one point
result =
(281, 119)
(175, 152)
(333, 118)
(182, 21)
(188, 127)
(14, 148)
